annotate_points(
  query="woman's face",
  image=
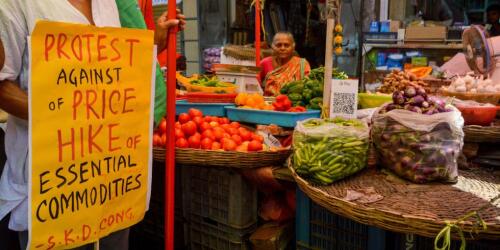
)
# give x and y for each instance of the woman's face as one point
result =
(283, 46)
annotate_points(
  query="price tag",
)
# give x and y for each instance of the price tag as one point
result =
(344, 98)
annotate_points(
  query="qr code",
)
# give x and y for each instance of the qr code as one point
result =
(344, 103)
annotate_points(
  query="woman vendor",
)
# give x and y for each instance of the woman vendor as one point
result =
(282, 67)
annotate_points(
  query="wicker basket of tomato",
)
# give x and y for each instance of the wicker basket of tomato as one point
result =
(216, 141)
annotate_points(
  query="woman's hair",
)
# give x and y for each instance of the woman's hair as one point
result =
(286, 33)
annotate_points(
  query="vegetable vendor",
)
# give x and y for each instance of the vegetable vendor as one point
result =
(282, 67)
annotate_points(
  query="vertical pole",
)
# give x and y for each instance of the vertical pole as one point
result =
(170, 152)
(330, 24)
(96, 245)
(257, 32)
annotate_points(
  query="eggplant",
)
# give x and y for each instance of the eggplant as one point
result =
(398, 98)
(417, 100)
(410, 92)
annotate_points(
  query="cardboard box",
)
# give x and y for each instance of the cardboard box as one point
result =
(395, 25)
(417, 33)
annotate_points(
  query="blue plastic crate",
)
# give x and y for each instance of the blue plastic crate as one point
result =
(318, 228)
(213, 109)
(266, 117)
(396, 241)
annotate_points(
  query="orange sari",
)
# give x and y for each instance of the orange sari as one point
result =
(295, 69)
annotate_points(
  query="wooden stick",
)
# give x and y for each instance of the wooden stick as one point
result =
(96, 245)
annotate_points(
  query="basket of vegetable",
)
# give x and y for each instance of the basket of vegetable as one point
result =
(205, 84)
(399, 80)
(476, 89)
(418, 137)
(328, 150)
(216, 141)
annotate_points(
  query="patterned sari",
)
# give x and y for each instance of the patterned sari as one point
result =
(295, 69)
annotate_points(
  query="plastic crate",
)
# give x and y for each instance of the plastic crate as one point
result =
(318, 228)
(150, 231)
(213, 109)
(206, 234)
(396, 241)
(266, 117)
(220, 195)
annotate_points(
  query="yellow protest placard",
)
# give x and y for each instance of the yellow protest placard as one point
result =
(90, 127)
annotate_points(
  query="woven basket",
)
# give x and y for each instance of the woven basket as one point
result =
(475, 133)
(411, 208)
(244, 52)
(435, 84)
(492, 98)
(228, 159)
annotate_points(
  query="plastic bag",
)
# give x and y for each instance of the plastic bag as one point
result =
(329, 150)
(418, 147)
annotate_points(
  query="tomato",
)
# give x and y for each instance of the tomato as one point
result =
(208, 134)
(197, 135)
(194, 142)
(245, 134)
(195, 113)
(229, 145)
(281, 98)
(237, 139)
(216, 146)
(218, 134)
(206, 143)
(233, 131)
(178, 125)
(163, 142)
(189, 128)
(156, 139)
(207, 118)
(198, 120)
(214, 119)
(235, 124)
(163, 125)
(214, 124)
(183, 118)
(258, 138)
(179, 133)
(204, 126)
(223, 120)
(226, 135)
(243, 147)
(182, 143)
(255, 146)
(225, 127)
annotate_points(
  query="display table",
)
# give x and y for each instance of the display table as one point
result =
(380, 199)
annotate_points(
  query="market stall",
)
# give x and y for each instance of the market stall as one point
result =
(396, 165)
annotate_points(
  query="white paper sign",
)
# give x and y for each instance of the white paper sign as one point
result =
(344, 98)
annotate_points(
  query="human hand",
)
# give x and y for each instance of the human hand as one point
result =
(163, 24)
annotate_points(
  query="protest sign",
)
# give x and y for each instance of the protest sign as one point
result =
(91, 119)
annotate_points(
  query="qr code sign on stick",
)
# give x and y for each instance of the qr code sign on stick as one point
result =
(344, 98)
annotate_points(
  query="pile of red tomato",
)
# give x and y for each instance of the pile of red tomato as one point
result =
(193, 130)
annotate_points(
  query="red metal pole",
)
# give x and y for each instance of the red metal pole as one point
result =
(257, 33)
(170, 153)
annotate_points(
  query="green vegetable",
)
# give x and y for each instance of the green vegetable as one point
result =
(307, 95)
(316, 103)
(325, 159)
(295, 97)
(296, 88)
